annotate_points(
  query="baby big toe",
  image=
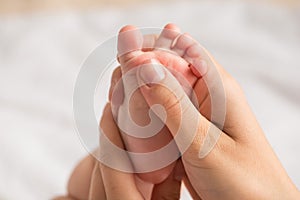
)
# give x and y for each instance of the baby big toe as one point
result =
(130, 42)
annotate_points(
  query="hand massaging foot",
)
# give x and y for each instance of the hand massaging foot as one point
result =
(181, 55)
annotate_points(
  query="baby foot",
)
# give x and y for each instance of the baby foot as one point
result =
(202, 69)
(191, 65)
(177, 52)
(239, 150)
(131, 55)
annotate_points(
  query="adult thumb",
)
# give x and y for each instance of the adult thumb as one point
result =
(169, 102)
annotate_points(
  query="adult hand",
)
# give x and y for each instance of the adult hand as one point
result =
(122, 185)
(242, 165)
(93, 180)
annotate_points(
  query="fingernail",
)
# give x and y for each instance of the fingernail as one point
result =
(152, 72)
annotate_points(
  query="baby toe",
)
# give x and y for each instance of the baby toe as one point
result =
(130, 42)
(196, 56)
(188, 48)
(182, 44)
(167, 37)
(149, 42)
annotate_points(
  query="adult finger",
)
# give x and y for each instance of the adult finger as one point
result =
(97, 190)
(118, 184)
(189, 128)
(79, 182)
(169, 189)
(116, 91)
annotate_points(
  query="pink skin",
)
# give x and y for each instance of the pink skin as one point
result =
(176, 57)
(241, 166)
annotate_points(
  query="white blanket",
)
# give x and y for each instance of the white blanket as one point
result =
(41, 54)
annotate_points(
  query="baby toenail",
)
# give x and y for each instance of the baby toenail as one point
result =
(152, 72)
